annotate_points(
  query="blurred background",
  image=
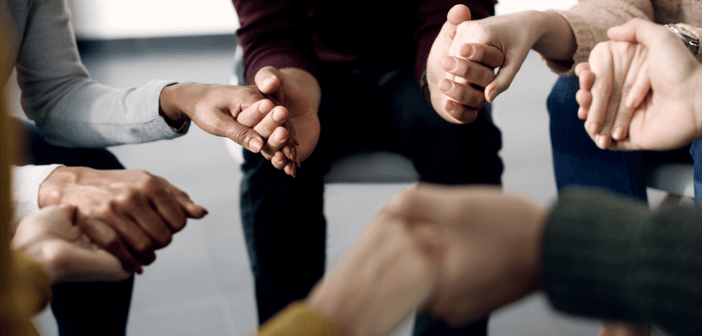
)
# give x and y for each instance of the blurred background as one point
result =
(201, 284)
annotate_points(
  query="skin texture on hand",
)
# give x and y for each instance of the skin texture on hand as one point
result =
(279, 134)
(621, 69)
(64, 252)
(129, 213)
(299, 93)
(492, 247)
(214, 108)
(388, 272)
(478, 47)
(662, 102)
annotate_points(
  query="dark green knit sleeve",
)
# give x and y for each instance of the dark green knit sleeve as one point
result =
(610, 258)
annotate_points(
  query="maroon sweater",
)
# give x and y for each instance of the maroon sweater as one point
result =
(305, 33)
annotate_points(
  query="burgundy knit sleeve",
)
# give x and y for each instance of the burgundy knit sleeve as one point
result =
(275, 33)
(432, 14)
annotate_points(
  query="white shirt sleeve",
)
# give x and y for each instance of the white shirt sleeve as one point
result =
(26, 181)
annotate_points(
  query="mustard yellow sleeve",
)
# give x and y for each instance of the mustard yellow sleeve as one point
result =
(28, 292)
(32, 286)
(298, 319)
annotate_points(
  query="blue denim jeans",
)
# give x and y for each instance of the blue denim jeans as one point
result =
(577, 161)
(284, 225)
(82, 308)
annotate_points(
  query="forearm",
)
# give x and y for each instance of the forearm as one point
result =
(309, 84)
(91, 115)
(556, 39)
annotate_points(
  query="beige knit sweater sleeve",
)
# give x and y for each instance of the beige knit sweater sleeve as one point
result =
(590, 19)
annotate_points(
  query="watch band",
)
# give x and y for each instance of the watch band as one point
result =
(692, 43)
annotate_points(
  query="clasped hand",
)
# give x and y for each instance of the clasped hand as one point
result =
(62, 249)
(130, 213)
(638, 91)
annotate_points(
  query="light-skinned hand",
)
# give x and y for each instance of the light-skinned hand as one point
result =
(278, 132)
(492, 247)
(455, 100)
(129, 213)
(669, 115)
(298, 91)
(604, 99)
(63, 250)
(387, 273)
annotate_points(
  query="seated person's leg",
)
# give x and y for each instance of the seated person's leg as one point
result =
(578, 161)
(284, 227)
(696, 152)
(443, 153)
(576, 158)
(97, 308)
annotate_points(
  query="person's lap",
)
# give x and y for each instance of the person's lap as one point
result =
(85, 308)
(283, 220)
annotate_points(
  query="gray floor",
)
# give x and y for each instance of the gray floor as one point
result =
(201, 283)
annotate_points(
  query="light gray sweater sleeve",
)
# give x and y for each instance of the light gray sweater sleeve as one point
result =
(26, 181)
(69, 108)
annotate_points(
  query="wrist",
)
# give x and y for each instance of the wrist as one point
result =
(51, 191)
(555, 38)
(170, 109)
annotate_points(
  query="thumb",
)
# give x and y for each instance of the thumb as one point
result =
(504, 76)
(638, 30)
(457, 15)
(225, 125)
(268, 80)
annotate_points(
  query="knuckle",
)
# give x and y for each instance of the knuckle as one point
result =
(240, 134)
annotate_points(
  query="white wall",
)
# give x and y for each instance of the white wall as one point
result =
(511, 6)
(113, 19)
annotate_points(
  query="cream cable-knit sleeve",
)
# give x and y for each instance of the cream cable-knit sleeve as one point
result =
(590, 20)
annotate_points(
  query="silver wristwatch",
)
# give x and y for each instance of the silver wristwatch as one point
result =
(692, 42)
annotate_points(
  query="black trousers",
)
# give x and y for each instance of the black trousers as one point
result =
(82, 308)
(284, 225)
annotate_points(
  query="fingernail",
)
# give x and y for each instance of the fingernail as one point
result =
(466, 51)
(267, 82)
(601, 141)
(445, 85)
(618, 133)
(592, 128)
(263, 107)
(278, 115)
(448, 63)
(255, 145)
(450, 105)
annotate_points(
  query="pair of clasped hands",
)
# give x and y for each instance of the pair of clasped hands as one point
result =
(636, 91)
(122, 216)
